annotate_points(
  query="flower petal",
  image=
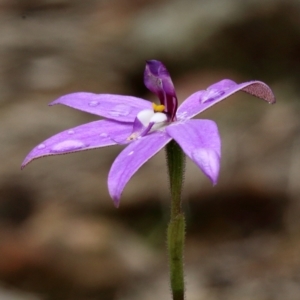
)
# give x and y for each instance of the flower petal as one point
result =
(131, 159)
(200, 141)
(201, 100)
(115, 107)
(88, 136)
(158, 80)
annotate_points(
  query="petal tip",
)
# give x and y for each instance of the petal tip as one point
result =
(116, 203)
(208, 161)
(214, 181)
(114, 195)
(259, 89)
(25, 163)
(116, 200)
(52, 103)
(273, 101)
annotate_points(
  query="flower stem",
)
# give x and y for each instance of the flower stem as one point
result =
(176, 228)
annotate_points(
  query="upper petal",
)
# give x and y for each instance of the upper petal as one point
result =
(158, 80)
(131, 159)
(200, 141)
(201, 100)
(88, 136)
(115, 107)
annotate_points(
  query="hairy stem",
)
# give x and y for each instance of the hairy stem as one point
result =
(176, 228)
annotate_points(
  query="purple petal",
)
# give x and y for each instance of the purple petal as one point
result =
(131, 159)
(88, 136)
(200, 141)
(138, 130)
(201, 100)
(115, 107)
(158, 80)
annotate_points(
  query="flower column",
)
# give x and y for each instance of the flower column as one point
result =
(158, 80)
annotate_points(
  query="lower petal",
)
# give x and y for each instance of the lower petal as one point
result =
(88, 136)
(131, 159)
(200, 141)
(208, 161)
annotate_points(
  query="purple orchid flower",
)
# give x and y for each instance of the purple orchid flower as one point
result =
(146, 127)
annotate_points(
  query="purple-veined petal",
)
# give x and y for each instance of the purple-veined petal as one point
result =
(158, 80)
(200, 141)
(201, 100)
(114, 107)
(131, 159)
(87, 136)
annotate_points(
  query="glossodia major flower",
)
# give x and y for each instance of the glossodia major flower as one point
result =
(147, 127)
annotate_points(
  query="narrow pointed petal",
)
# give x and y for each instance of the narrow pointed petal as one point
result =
(202, 100)
(131, 159)
(114, 107)
(200, 141)
(88, 136)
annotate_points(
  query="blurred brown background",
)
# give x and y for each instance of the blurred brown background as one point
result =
(60, 235)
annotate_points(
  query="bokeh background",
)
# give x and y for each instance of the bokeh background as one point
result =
(60, 235)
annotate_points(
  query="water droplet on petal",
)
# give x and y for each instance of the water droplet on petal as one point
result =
(71, 131)
(130, 153)
(68, 145)
(41, 146)
(211, 94)
(93, 103)
(103, 134)
(120, 110)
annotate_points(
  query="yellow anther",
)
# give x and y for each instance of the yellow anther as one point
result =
(158, 108)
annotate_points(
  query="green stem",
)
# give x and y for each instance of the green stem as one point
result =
(176, 228)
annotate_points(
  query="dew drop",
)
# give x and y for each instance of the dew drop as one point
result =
(211, 94)
(103, 134)
(120, 110)
(41, 146)
(68, 145)
(130, 153)
(71, 131)
(93, 103)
